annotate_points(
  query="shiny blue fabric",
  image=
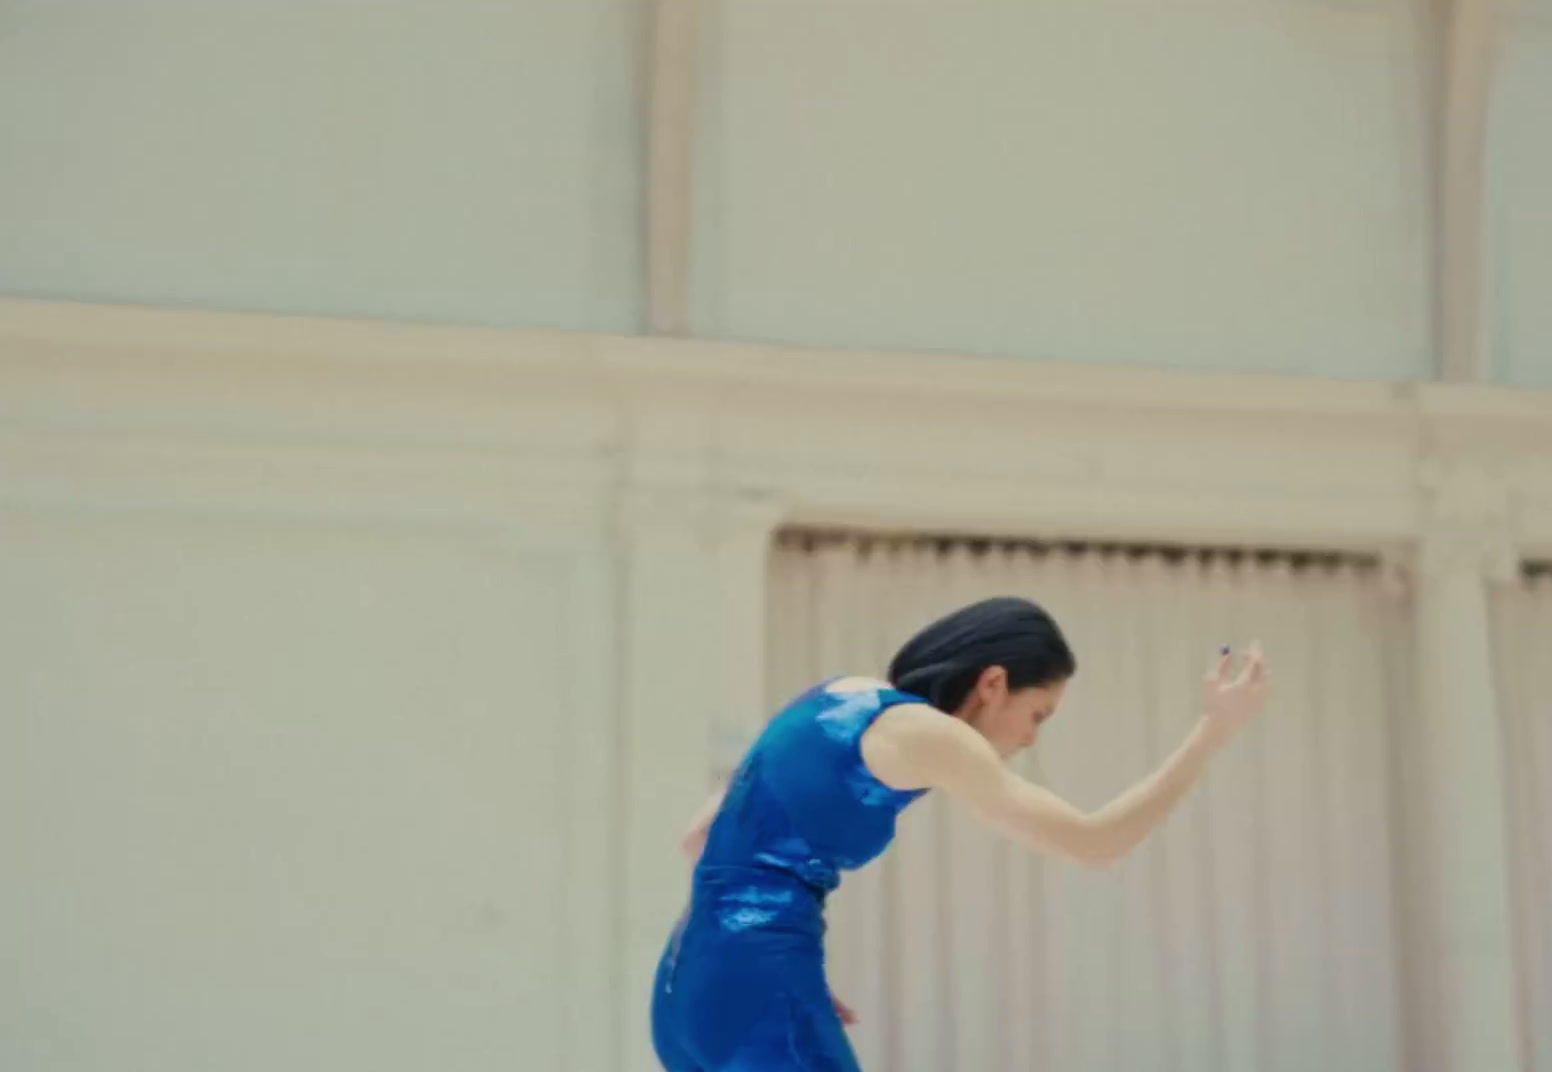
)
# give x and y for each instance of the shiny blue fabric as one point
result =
(741, 985)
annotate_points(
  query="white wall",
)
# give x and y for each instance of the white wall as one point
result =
(308, 708)
(1519, 213)
(464, 160)
(1207, 184)
(281, 793)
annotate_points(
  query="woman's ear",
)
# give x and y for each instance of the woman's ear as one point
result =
(992, 686)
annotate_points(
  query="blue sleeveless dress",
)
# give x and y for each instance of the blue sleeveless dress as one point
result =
(741, 985)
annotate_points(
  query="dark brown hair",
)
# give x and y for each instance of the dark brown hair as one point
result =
(943, 661)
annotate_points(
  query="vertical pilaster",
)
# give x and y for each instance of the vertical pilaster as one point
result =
(745, 529)
(670, 609)
(1465, 545)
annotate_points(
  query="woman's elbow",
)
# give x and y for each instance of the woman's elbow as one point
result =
(1088, 853)
(1085, 853)
(1095, 847)
(1098, 858)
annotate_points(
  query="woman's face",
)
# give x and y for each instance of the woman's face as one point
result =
(1009, 718)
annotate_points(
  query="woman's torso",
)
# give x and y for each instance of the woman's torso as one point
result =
(801, 808)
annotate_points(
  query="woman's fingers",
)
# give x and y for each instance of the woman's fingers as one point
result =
(1253, 666)
(1220, 669)
(1258, 670)
(1255, 671)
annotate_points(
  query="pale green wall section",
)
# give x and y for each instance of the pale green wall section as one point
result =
(1208, 184)
(467, 160)
(1519, 214)
(298, 803)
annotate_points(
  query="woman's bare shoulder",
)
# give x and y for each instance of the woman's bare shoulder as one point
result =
(907, 742)
(920, 724)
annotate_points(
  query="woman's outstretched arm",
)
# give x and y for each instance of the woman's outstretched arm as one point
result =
(921, 746)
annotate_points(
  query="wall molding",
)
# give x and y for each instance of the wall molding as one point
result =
(473, 422)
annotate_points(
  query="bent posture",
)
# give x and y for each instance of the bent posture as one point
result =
(741, 986)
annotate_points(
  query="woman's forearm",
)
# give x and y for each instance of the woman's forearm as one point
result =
(1127, 820)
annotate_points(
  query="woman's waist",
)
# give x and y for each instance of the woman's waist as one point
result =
(738, 899)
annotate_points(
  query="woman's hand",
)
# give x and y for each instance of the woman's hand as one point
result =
(693, 841)
(848, 1018)
(1230, 701)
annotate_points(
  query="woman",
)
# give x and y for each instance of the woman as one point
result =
(741, 986)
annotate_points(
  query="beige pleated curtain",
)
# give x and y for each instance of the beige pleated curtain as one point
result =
(1523, 642)
(1256, 931)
